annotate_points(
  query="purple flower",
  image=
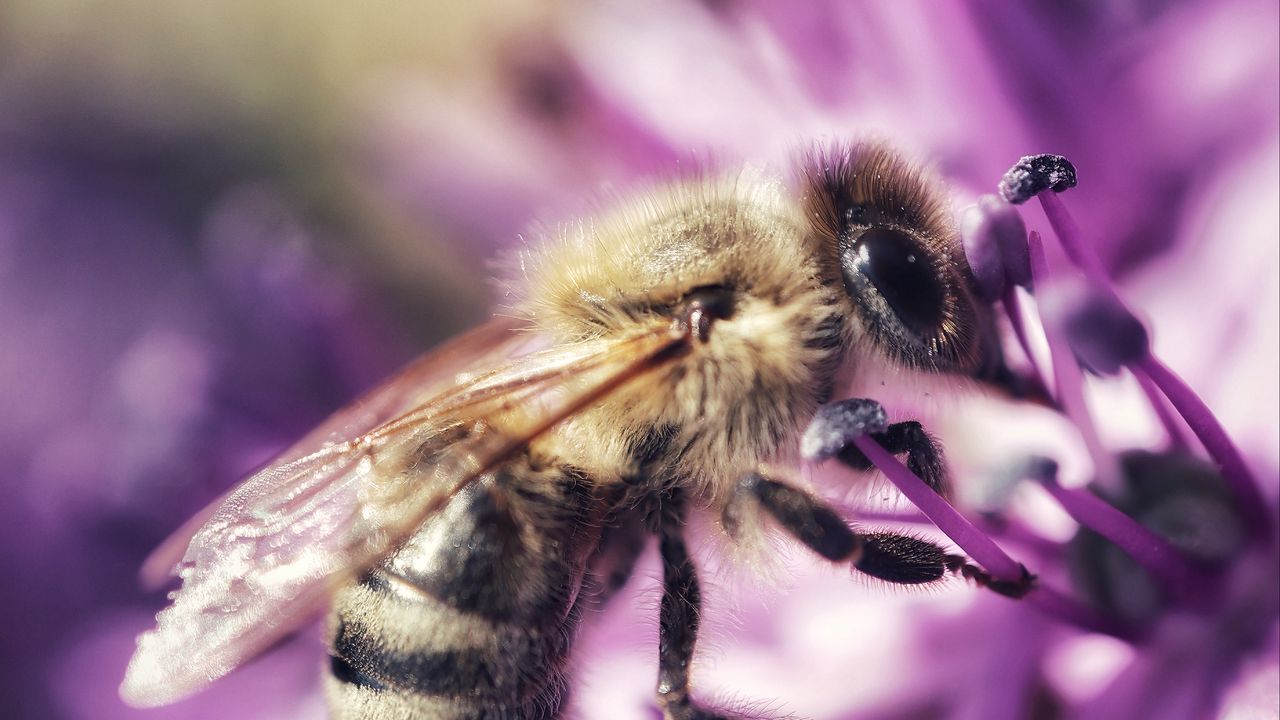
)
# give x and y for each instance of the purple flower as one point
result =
(169, 325)
(172, 319)
(1174, 131)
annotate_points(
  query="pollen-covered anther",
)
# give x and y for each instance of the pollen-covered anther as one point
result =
(995, 244)
(1104, 334)
(836, 424)
(1033, 174)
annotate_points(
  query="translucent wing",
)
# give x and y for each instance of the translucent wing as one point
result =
(272, 552)
(484, 346)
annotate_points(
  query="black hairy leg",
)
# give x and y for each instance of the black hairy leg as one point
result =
(678, 618)
(892, 557)
(833, 429)
(834, 432)
(611, 565)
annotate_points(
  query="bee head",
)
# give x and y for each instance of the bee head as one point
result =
(885, 229)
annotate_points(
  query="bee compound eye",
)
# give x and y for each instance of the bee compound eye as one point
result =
(893, 265)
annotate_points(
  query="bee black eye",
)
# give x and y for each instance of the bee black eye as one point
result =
(897, 267)
(899, 289)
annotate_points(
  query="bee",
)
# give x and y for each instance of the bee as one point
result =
(660, 358)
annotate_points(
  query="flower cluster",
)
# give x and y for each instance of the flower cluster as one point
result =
(1174, 555)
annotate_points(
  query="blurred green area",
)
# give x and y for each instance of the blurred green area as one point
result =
(279, 85)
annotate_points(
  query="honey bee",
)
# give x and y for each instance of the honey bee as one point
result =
(459, 519)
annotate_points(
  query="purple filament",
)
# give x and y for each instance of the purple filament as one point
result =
(1013, 309)
(963, 533)
(978, 545)
(1192, 409)
(1069, 610)
(1073, 243)
(1160, 405)
(1006, 529)
(1068, 379)
(1011, 530)
(1215, 439)
(1151, 551)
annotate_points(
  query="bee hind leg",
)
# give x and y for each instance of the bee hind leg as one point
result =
(678, 619)
(610, 567)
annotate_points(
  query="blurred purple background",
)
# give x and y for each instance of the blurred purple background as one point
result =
(217, 224)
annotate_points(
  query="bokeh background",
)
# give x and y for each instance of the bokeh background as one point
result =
(219, 221)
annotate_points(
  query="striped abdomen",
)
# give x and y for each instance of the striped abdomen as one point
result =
(474, 616)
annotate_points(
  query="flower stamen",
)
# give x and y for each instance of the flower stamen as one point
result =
(963, 533)
(1235, 472)
(1179, 576)
(1068, 379)
(1175, 431)
(1013, 310)
(1032, 177)
(1067, 609)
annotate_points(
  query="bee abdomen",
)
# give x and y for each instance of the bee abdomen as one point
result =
(474, 616)
(503, 672)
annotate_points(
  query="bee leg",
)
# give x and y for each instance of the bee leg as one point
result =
(892, 557)
(610, 567)
(678, 619)
(808, 519)
(909, 560)
(924, 455)
(835, 425)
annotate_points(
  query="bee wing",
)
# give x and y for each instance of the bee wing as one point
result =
(272, 552)
(486, 345)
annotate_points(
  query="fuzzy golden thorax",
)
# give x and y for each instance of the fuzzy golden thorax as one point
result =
(739, 395)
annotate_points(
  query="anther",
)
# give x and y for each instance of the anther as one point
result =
(836, 424)
(1104, 334)
(1034, 174)
(995, 243)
